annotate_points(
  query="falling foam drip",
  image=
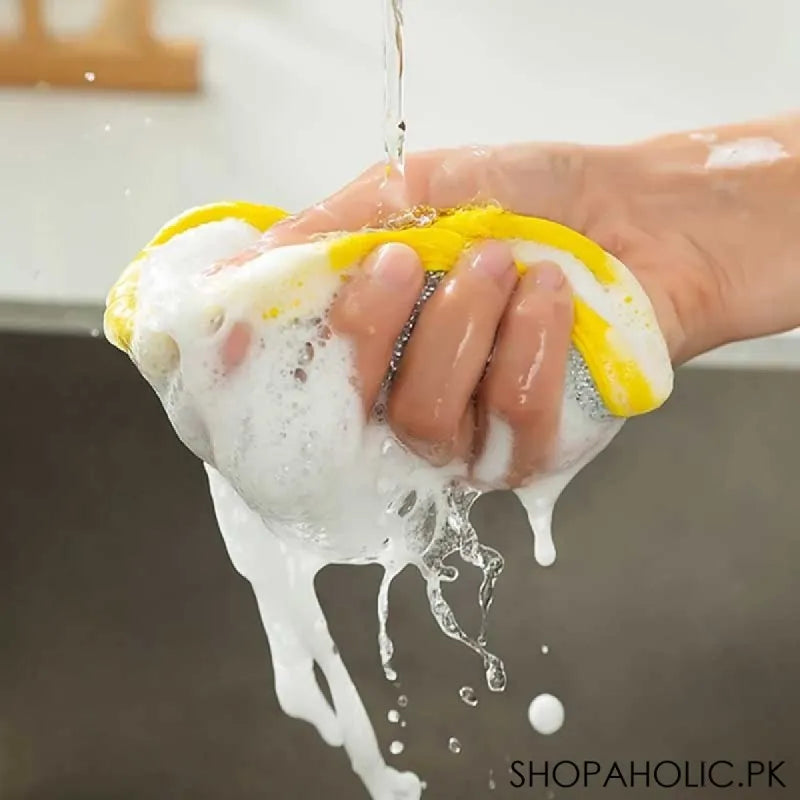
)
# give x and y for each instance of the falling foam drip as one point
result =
(467, 694)
(393, 716)
(385, 645)
(395, 748)
(299, 638)
(454, 745)
(545, 649)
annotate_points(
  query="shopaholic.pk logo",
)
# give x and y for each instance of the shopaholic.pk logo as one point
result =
(720, 774)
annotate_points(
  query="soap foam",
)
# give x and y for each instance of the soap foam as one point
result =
(745, 152)
(299, 477)
(546, 714)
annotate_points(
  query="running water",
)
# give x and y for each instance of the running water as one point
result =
(394, 132)
(394, 125)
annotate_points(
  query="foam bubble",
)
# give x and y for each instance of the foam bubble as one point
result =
(546, 714)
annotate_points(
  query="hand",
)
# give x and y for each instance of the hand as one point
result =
(675, 222)
(443, 397)
(439, 404)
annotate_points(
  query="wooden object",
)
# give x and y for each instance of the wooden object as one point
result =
(120, 53)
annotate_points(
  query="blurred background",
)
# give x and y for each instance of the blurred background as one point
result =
(132, 662)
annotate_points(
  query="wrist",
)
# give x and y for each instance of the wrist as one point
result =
(707, 223)
(637, 203)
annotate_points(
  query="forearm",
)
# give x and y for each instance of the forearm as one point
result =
(725, 203)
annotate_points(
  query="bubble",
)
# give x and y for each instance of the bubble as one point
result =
(402, 701)
(467, 694)
(395, 748)
(546, 714)
(393, 716)
(454, 745)
(89, 76)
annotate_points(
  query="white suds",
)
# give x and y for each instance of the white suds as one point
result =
(495, 462)
(546, 714)
(745, 152)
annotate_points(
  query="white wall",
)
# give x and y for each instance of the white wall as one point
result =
(292, 107)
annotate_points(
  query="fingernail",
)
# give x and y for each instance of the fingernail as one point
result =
(492, 259)
(393, 265)
(548, 276)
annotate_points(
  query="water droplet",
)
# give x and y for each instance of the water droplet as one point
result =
(300, 375)
(492, 782)
(126, 192)
(402, 701)
(148, 120)
(107, 127)
(545, 649)
(393, 715)
(89, 76)
(454, 745)
(395, 748)
(467, 694)
(95, 332)
(403, 723)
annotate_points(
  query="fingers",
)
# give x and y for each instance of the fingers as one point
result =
(430, 405)
(372, 308)
(520, 397)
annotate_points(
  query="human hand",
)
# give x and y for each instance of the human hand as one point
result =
(656, 206)
(444, 396)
